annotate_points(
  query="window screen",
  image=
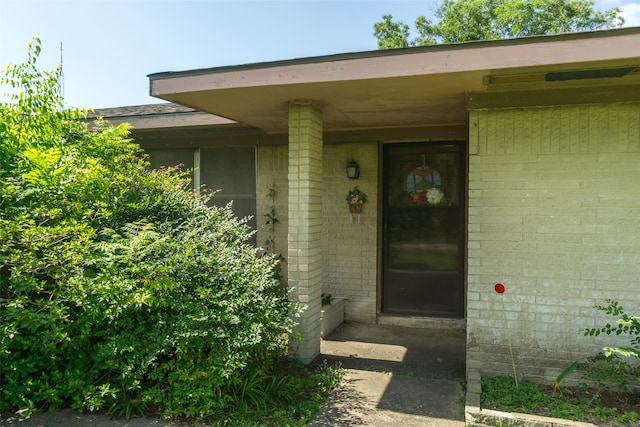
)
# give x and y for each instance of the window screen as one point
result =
(172, 157)
(232, 171)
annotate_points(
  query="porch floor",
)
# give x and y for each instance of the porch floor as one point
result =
(395, 375)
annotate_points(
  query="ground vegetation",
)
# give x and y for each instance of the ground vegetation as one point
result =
(121, 290)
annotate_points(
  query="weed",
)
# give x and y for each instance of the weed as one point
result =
(292, 395)
(609, 369)
(326, 299)
(500, 393)
(609, 372)
(625, 325)
(627, 417)
(126, 405)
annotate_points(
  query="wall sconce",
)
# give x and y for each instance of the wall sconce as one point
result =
(353, 170)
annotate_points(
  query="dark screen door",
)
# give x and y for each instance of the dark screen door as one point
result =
(423, 229)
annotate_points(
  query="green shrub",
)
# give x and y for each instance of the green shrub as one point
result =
(626, 325)
(611, 367)
(119, 289)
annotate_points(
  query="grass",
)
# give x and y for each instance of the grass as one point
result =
(577, 404)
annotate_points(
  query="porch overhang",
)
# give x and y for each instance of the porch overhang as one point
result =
(411, 87)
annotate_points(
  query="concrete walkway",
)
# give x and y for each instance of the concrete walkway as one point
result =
(395, 376)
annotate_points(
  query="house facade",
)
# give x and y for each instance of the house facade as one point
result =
(514, 162)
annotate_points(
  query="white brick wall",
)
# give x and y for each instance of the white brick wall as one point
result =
(272, 169)
(553, 214)
(304, 253)
(348, 246)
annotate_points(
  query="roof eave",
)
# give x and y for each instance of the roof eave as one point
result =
(402, 87)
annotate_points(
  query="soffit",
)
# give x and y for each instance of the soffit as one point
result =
(402, 88)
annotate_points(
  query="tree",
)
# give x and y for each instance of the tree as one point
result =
(468, 20)
(119, 288)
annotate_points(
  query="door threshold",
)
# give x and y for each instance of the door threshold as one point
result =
(423, 322)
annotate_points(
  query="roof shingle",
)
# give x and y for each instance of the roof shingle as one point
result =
(141, 110)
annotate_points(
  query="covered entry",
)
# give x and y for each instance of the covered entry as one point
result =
(423, 229)
(326, 111)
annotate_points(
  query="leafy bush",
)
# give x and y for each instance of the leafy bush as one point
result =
(610, 368)
(612, 372)
(625, 325)
(119, 289)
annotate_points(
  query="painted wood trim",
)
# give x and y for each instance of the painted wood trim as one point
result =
(553, 97)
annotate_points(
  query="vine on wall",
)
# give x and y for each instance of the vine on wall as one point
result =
(272, 219)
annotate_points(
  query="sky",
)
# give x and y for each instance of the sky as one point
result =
(109, 47)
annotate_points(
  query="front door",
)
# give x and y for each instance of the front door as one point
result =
(423, 229)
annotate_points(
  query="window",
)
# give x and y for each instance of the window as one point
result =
(171, 158)
(231, 170)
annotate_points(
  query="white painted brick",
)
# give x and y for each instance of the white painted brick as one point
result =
(553, 214)
(347, 252)
(349, 244)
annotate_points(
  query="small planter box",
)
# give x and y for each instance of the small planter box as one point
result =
(331, 316)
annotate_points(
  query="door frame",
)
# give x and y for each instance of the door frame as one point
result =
(465, 223)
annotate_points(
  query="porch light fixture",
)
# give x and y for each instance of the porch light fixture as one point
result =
(353, 170)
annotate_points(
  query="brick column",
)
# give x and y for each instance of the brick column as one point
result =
(305, 223)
